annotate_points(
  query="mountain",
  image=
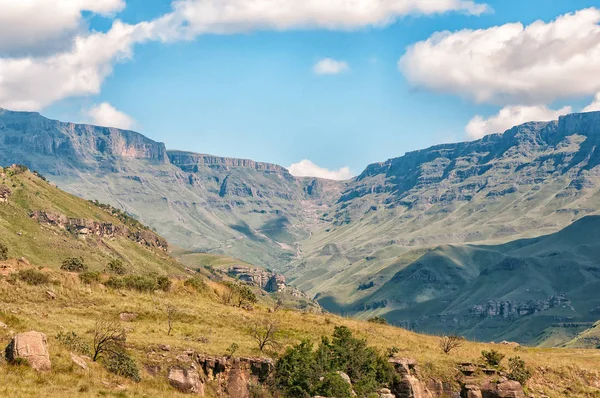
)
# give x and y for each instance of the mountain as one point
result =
(250, 210)
(351, 244)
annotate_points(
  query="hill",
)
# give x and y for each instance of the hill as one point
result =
(342, 241)
(204, 323)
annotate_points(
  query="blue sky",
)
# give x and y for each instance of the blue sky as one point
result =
(255, 93)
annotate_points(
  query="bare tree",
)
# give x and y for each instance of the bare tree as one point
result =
(172, 314)
(109, 337)
(449, 343)
(265, 333)
(278, 304)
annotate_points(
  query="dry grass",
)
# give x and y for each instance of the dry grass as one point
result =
(558, 372)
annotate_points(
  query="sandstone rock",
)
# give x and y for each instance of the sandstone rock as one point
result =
(24, 261)
(164, 347)
(32, 347)
(3, 325)
(79, 361)
(504, 389)
(186, 381)
(237, 382)
(471, 391)
(153, 370)
(410, 387)
(128, 316)
(403, 365)
(269, 281)
(385, 393)
(345, 377)
(50, 294)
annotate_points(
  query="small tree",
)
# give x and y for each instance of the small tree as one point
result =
(245, 295)
(172, 314)
(3, 252)
(109, 337)
(492, 358)
(518, 371)
(279, 304)
(449, 343)
(265, 334)
(232, 349)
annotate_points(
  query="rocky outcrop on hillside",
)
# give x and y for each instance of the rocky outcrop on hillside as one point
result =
(190, 162)
(30, 347)
(83, 228)
(512, 309)
(268, 281)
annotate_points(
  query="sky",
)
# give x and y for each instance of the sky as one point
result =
(323, 87)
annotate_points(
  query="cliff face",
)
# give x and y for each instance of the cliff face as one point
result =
(31, 133)
(190, 161)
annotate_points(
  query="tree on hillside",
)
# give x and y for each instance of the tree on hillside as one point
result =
(449, 343)
(109, 337)
(265, 334)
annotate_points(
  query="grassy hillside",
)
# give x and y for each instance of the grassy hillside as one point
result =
(530, 290)
(50, 245)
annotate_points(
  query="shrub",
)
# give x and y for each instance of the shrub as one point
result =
(115, 283)
(333, 385)
(239, 294)
(116, 267)
(449, 343)
(392, 351)
(120, 363)
(492, 358)
(232, 349)
(163, 283)
(196, 283)
(33, 277)
(73, 342)
(298, 372)
(89, 277)
(265, 334)
(378, 319)
(74, 264)
(3, 252)
(518, 371)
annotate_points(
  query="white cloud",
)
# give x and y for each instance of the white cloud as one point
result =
(33, 26)
(330, 66)
(511, 116)
(193, 17)
(46, 53)
(594, 106)
(512, 64)
(31, 83)
(105, 114)
(306, 168)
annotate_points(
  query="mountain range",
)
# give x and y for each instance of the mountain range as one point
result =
(492, 239)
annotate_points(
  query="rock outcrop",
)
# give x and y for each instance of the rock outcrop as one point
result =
(186, 381)
(31, 347)
(269, 281)
(83, 228)
(5, 193)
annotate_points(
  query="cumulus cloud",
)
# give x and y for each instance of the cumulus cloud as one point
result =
(105, 114)
(594, 106)
(306, 168)
(330, 66)
(34, 26)
(511, 116)
(193, 17)
(47, 55)
(31, 83)
(512, 63)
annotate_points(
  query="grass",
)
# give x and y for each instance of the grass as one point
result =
(202, 315)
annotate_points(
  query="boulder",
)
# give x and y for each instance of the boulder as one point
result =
(385, 393)
(410, 387)
(51, 295)
(186, 381)
(127, 316)
(79, 361)
(345, 377)
(505, 389)
(471, 391)
(32, 347)
(3, 325)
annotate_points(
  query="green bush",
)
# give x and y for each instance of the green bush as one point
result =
(3, 252)
(73, 342)
(33, 277)
(518, 371)
(196, 283)
(74, 264)
(298, 372)
(120, 363)
(141, 283)
(163, 283)
(116, 267)
(89, 277)
(492, 358)
(333, 385)
(240, 294)
(378, 319)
